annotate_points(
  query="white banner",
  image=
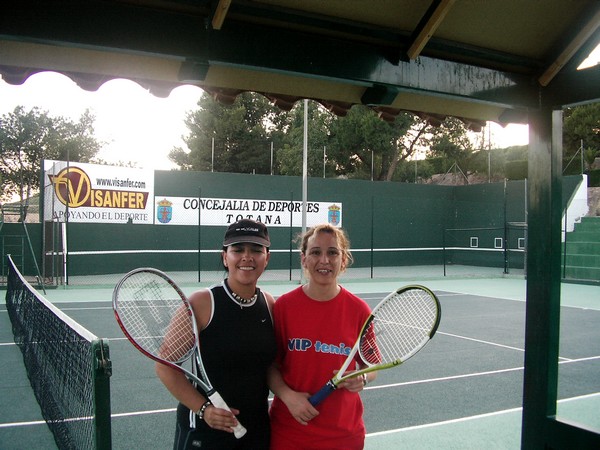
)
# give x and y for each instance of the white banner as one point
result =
(80, 192)
(224, 211)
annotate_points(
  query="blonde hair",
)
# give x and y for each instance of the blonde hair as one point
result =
(342, 240)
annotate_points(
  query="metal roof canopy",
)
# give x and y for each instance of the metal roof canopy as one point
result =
(509, 61)
(478, 60)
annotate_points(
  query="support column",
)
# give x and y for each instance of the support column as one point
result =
(543, 276)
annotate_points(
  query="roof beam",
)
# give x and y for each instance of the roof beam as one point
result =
(352, 66)
(585, 33)
(577, 87)
(366, 66)
(227, 58)
(220, 14)
(428, 25)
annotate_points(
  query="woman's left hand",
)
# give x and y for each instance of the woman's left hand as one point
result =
(354, 384)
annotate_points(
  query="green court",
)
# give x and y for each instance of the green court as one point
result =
(462, 391)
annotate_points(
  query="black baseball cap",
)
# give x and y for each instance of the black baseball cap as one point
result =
(247, 230)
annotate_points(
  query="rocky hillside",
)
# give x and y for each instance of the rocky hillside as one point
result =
(461, 179)
(594, 201)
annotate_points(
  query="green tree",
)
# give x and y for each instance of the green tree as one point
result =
(289, 157)
(491, 164)
(414, 171)
(360, 145)
(415, 140)
(27, 138)
(451, 141)
(240, 133)
(581, 126)
(362, 140)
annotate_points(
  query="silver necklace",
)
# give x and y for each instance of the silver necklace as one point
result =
(244, 301)
(239, 299)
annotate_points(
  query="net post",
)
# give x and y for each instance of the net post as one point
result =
(102, 372)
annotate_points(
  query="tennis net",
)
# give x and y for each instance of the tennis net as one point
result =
(68, 367)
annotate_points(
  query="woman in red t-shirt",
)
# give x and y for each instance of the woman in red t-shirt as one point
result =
(316, 326)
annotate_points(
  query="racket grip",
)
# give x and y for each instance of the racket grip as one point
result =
(216, 399)
(323, 393)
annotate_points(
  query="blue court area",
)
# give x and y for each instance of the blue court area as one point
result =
(462, 391)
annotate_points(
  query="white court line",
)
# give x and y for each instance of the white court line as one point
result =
(470, 375)
(379, 433)
(8, 344)
(87, 308)
(22, 424)
(465, 419)
(453, 377)
(445, 422)
(143, 413)
(561, 358)
(482, 341)
(581, 397)
(137, 413)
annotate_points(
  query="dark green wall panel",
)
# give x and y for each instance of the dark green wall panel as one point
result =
(376, 215)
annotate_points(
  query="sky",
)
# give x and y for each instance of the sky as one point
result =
(142, 128)
(136, 125)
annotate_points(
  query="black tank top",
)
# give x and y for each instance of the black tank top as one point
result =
(237, 347)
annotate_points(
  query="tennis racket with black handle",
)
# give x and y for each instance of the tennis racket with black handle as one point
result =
(158, 320)
(398, 327)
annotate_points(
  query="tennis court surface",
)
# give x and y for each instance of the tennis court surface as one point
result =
(462, 391)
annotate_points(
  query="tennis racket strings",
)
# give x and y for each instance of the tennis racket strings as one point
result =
(155, 317)
(399, 328)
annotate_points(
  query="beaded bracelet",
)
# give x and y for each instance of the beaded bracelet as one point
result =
(200, 412)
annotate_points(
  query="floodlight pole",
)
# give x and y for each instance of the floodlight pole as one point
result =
(582, 155)
(305, 167)
(372, 163)
(304, 175)
(489, 152)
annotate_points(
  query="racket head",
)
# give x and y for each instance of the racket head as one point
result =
(155, 316)
(399, 326)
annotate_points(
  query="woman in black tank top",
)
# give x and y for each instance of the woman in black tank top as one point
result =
(238, 345)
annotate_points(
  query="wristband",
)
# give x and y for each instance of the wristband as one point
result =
(200, 412)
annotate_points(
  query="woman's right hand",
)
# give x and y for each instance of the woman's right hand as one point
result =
(221, 419)
(299, 407)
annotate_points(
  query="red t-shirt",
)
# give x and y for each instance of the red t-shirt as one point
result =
(313, 340)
